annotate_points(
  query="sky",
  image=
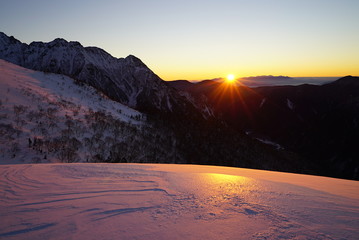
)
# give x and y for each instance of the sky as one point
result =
(203, 39)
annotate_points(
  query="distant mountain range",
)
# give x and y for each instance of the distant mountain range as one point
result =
(269, 80)
(305, 129)
(261, 81)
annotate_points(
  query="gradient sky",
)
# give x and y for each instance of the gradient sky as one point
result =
(196, 40)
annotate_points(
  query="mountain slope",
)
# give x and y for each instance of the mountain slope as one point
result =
(319, 123)
(311, 129)
(52, 118)
(49, 117)
(126, 80)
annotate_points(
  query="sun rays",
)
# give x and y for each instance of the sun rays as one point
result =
(230, 96)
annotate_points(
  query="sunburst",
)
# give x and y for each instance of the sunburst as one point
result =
(230, 78)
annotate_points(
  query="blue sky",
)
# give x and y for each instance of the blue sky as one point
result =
(202, 39)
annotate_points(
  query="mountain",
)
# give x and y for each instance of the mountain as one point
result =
(126, 80)
(345, 82)
(46, 117)
(269, 80)
(319, 123)
(266, 80)
(178, 128)
(304, 129)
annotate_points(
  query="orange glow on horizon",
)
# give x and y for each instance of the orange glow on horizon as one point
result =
(198, 73)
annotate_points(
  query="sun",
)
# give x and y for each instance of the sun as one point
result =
(230, 78)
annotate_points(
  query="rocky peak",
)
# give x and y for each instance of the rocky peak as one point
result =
(59, 41)
(126, 80)
(75, 44)
(132, 60)
(4, 39)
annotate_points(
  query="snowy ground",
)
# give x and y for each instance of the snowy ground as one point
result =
(150, 201)
(33, 89)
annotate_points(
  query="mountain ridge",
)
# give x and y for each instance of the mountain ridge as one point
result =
(319, 123)
(203, 123)
(55, 123)
(127, 80)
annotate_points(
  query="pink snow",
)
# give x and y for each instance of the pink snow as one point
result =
(163, 201)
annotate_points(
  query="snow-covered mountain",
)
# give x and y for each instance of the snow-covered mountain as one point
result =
(183, 122)
(127, 80)
(46, 117)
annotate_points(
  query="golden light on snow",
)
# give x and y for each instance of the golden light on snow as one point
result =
(218, 186)
(225, 178)
(160, 201)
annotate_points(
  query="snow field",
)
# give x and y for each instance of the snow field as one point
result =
(159, 201)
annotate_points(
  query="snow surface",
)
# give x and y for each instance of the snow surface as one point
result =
(262, 102)
(290, 104)
(268, 142)
(159, 201)
(52, 88)
(47, 101)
